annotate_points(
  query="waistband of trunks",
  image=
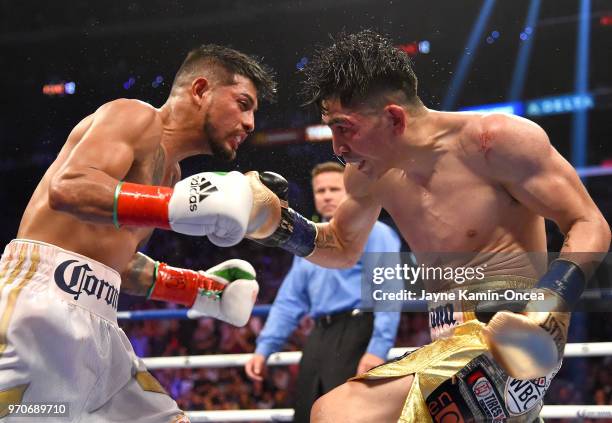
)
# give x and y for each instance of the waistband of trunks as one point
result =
(72, 277)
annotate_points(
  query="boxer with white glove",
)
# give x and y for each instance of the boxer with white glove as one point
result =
(235, 303)
(531, 344)
(226, 291)
(213, 204)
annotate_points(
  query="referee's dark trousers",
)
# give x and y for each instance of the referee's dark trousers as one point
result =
(330, 356)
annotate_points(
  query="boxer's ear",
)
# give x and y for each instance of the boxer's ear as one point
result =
(396, 116)
(199, 87)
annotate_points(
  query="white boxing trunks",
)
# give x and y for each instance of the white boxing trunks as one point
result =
(60, 344)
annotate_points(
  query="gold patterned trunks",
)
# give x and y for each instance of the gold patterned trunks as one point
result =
(456, 379)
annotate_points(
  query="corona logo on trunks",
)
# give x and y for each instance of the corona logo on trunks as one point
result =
(78, 278)
(199, 189)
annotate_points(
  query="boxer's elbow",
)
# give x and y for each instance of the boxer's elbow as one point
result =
(336, 260)
(58, 199)
(595, 229)
(61, 192)
(605, 232)
(600, 230)
(346, 258)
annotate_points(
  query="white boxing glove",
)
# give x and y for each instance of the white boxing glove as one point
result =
(214, 204)
(235, 303)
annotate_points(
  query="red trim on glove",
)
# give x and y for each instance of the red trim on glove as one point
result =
(143, 205)
(181, 285)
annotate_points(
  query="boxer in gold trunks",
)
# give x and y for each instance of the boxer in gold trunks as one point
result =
(452, 182)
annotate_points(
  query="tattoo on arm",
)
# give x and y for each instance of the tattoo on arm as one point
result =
(158, 170)
(326, 239)
(138, 277)
(566, 241)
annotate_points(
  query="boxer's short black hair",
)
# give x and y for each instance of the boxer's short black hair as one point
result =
(357, 66)
(226, 62)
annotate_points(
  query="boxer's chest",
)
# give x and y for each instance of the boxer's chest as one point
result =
(153, 169)
(452, 210)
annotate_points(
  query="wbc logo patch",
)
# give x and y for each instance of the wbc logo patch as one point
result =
(523, 395)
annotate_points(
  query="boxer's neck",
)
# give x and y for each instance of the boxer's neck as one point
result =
(183, 134)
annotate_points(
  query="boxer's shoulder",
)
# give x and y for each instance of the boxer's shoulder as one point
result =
(498, 144)
(135, 111)
(132, 121)
(496, 132)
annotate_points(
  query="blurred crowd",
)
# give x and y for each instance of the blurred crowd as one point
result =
(580, 381)
(229, 388)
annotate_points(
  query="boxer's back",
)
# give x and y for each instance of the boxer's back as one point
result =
(101, 242)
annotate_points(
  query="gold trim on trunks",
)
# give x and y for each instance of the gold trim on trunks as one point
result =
(13, 293)
(11, 396)
(148, 383)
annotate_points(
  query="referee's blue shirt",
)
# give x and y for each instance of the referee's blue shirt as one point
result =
(318, 291)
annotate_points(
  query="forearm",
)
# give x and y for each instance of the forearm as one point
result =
(158, 281)
(207, 203)
(139, 275)
(86, 193)
(331, 251)
(586, 243)
(336, 244)
(340, 242)
(94, 196)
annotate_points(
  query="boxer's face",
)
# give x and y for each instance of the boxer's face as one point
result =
(230, 116)
(361, 136)
(328, 188)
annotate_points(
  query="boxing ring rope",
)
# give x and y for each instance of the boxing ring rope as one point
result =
(589, 349)
(179, 313)
(286, 414)
(587, 171)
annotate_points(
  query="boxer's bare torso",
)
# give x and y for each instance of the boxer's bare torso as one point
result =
(455, 183)
(135, 143)
(458, 205)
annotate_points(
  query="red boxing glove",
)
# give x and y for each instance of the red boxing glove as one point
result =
(181, 286)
